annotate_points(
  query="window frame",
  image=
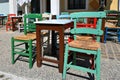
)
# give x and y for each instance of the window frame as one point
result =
(66, 6)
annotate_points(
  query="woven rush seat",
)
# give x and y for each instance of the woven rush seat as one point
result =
(90, 45)
(110, 25)
(84, 38)
(29, 36)
(112, 21)
(26, 37)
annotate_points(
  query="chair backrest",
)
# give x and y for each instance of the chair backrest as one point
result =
(47, 16)
(29, 19)
(64, 13)
(94, 31)
(10, 15)
(65, 16)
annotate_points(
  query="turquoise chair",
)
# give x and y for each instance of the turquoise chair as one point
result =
(65, 16)
(64, 13)
(22, 45)
(91, 47)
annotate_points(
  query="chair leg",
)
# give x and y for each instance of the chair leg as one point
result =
(30, 54)
(118, 35)
(26, 47)
(6, 28)
(98, 65)
(74, 58)
(92, 61)
(105, 35)
(65, 63)
(12, 46)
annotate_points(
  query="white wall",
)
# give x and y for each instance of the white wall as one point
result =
(55, 7)
(4, 8)
(13, 6)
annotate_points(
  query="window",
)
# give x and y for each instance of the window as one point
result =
(76, 4)
(2, 1)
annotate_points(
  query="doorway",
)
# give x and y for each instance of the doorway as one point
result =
(48, 6)
(35, 6)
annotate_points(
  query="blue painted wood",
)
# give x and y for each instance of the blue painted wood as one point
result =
(110, 32)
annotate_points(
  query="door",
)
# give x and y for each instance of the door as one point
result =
(35, 6)
(48, 6)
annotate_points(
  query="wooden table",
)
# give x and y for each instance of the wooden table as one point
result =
(55, 25)
(14, 18)
(2, 18)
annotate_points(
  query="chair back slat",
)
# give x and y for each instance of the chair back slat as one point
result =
(88, 14)
(29, 19)
(65, 16)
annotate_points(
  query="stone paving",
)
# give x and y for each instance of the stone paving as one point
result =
(110, 64)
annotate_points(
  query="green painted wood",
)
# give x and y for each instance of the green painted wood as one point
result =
(29, 26)
(86, 31)
(82, 50)
(75, 31)
(29, 19)
(81, 68)
(12, 50)
(99, 14)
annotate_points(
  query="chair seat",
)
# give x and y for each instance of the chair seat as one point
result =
(111, 25)
(112, 21)
(90, 45)
(83, 38)
(29, 36)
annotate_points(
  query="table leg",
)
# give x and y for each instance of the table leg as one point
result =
(2, 21)
(61, 50)
(38, 42)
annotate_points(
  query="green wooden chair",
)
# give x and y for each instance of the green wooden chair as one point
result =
(84, 47)
(23, 44)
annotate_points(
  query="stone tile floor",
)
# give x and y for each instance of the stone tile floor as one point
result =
(110, 64)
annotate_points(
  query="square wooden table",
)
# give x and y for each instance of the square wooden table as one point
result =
(54, 25)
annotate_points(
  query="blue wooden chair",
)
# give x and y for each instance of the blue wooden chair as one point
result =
(112, 32)
(22, 45)
(84, 47)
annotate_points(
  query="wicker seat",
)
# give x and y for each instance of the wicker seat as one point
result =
(26, 37)
(88, 45)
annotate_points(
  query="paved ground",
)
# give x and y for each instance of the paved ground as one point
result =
(110, 64)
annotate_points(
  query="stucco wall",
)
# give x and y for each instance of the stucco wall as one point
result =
(114, 5)
(4, 8)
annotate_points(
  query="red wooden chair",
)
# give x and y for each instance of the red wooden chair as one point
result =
(91, 23)
(9, 22)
